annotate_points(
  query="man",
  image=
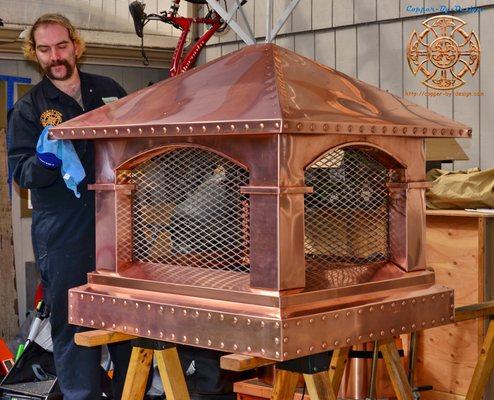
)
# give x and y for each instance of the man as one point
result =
(62, 225)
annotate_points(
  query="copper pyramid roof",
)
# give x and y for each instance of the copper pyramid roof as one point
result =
(260, 89)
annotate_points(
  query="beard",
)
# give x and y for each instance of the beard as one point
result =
(69, 70)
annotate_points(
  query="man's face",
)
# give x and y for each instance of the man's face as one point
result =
(56, 52)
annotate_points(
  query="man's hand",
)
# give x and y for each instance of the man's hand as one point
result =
(46, 150)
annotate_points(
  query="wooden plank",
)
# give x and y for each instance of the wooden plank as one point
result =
(484, 366)
(171, 374)
(459, 213)
(257, 389)
(365, 11)
(342, 13)
(322, 14)
(325, 48)
(99, 337)
(388, 9)
(241, 362)
(304, 44)
(319, 387)
(391, 57)
(396, 371)
(474, 311)
(438, 395)
(337, 367)
(137, 374)
(8, 304)
(285, 384)
(368, 53)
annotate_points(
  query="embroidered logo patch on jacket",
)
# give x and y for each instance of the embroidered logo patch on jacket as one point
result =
(50, 117)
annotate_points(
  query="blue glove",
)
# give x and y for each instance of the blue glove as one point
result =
(46, 150)
(49, 151)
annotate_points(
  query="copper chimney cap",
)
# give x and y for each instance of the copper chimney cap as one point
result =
(260, 89)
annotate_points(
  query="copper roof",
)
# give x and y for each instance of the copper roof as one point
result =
(260, 89)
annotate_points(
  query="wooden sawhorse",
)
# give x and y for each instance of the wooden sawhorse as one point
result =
(140, 363)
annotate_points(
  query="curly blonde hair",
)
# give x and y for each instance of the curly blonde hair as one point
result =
(29, 47)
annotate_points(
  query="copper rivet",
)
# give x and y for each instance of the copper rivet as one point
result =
(336, 343)
(285, 126)
(276, 324)
(324, 317)
(442, 319)
(262, 324)
(371, 335)
(361, 129)
(277, 354)
(348, 313)
(92, 298)
(403, 329)
(403, 303)
(371, 309)
(184, 338)
(246, 127)
(434, 130)
(249, 349)
(61, 133)
(311, 348)
(384, 129)
(248, 321)
(73, 133)
(136, 330)
(218, 128)
(235, 347)
(299, 351)
(113, 301)
(82, 320)
(92, 323)
(161, 335)
(71, 319)
(152, 130)
(184, 312)
(348, 340)
(337, 128)
(105, 131)
(349, 128)
(433, 321)
(299, 126)
(172, 310)
(415, 130)
(381, 307)
(424, 130)
(113, 326)
(149, 307)
(232, 127)
(137, 305)
(442, 295)
(285, 340)
(324, 345)
(204, 128)
(311, 320)
(360, 311)
(177, 128)
(71, 306)
(102, 299)
(373, 129)
(433, 298)
(285, 354)
(125, 328)
(196, 313)
(423, 299)
(451, 294)
(285, 325)
(235, 320)
(94, 131)
(191, 129)
(261, 125)
(125, 303)
(414, 301)
(263, 351)
(298, 323)
(71, 294)
(393, 304)
(325, 127)
(277, 125)
(164, 129)
(423, 323)
(336, 316)
(382, 333)
(276, 340)
(360, 337)
(209, 342)
(173, 336)
(196, 340)
(451, 318)
(222, 317)
(149, 332)
(209, 315)
(312, 127)
(393, 331)
(81, 297)
(161, 309)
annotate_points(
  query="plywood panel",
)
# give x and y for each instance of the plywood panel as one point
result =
(322, 14)
(302, 16)
(487, 86)
(365, 11)
(324, 44)
(346, 55)
(388, 9)
(304, 44)
(342, 12)
(368, 53)
(467, 109)
(391, 57)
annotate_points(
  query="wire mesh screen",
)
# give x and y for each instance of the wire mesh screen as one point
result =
(346, 217)
(188, 211)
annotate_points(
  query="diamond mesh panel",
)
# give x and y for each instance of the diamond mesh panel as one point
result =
(188, 211)
(346, 217)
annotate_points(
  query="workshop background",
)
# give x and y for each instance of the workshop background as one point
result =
(365, 39)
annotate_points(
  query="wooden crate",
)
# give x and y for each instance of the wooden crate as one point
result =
(460, 248)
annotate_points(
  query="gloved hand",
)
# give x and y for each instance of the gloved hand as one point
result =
(55, 153)
(46, 150)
